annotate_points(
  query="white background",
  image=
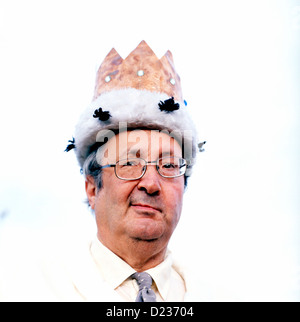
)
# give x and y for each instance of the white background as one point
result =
(240, 71)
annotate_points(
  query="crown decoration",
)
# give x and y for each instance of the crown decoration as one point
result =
(168, 105)
(71, 145)
(141, 70)
(140, 91)
(200, 146)
(101, 115)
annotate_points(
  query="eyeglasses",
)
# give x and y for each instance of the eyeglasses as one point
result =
(135, 168)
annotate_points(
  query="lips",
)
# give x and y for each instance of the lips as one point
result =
(145, 207)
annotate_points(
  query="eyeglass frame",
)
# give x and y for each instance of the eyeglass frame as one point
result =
(145, 167)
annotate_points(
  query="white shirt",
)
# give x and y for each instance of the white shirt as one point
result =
(76, 271)
(168, 284)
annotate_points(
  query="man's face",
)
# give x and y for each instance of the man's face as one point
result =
(143, 210)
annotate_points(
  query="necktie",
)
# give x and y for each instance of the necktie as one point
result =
(146, 294)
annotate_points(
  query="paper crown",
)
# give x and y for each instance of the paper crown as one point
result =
(140, 91)
(141, 70)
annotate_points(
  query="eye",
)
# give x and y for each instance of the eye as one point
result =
(169, 165)
(128, 163)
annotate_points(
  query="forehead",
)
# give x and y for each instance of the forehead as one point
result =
(142, 143)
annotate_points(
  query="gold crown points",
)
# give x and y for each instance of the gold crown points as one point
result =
(142, 70)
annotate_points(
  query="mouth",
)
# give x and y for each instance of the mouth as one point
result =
(145, 207)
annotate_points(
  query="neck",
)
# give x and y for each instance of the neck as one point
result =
(139, 254)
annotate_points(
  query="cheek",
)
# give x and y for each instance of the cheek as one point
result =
(174, 199)
(114, 193)
(111, 205)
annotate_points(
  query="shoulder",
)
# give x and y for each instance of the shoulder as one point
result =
(60, 270)
(198, 287)
(73, 274)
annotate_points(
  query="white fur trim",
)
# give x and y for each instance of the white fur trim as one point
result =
(139, 108)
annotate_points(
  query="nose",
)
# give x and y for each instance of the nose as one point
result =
(150, 182)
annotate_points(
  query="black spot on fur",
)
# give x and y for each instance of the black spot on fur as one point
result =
(101, 115)
(200, 146)
(168, 105)
(71, 145)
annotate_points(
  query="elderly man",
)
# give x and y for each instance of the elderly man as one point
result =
(137, 203)
(135, 181)
(136, 146)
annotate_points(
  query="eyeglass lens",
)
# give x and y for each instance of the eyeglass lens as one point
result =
(135, 168)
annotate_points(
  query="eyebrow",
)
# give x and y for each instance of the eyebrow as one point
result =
(133, 152)
(166, 154)
(130, 151)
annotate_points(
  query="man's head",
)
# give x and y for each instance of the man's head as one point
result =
(144, 211)
(138, 202)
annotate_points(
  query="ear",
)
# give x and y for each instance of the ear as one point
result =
(90, 189)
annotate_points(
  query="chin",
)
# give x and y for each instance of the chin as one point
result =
(147, 236)
(148, 230)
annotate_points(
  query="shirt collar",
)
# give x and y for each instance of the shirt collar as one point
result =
(113, 269)
(161, 274)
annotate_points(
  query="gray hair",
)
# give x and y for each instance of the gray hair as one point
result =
(91, 167)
